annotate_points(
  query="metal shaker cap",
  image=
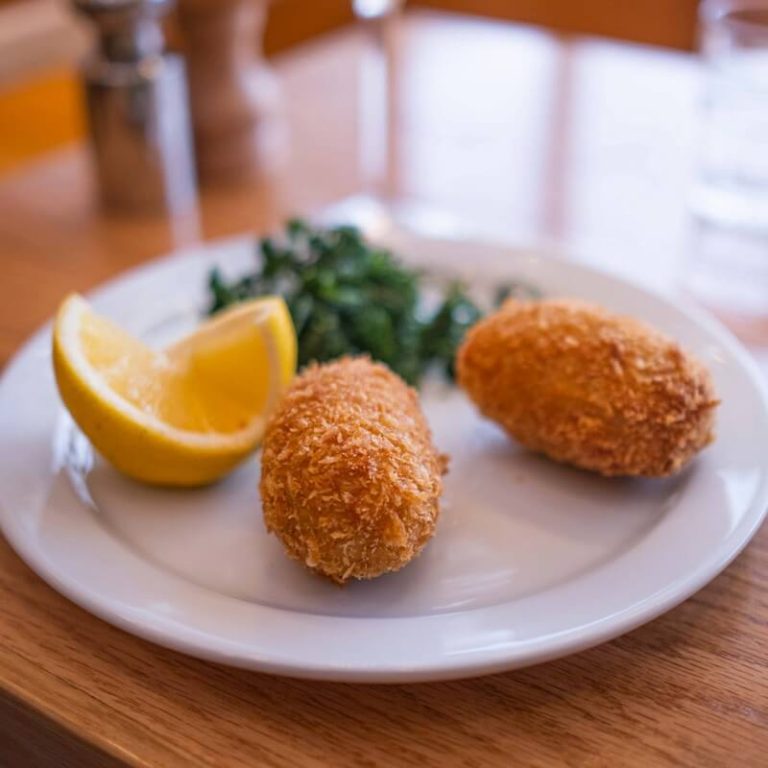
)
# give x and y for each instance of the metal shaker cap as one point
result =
(128, 29)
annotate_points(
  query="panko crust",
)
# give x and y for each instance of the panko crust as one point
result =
(585, 387)
(350, 479)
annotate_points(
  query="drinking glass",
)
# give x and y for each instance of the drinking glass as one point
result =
(732, 180)
(378, 95)
(381, 207)
(727, 269)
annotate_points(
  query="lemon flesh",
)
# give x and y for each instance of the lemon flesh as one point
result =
(185, 415)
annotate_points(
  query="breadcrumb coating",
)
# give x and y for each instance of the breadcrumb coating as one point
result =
(350, 480)
(589, 388)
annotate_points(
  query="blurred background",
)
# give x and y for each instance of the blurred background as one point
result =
(631, 135)
(42, 42)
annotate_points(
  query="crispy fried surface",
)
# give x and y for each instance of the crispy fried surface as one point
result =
(350, 479)
(582, 386)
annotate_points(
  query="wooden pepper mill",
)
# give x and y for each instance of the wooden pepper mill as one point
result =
(232, 93)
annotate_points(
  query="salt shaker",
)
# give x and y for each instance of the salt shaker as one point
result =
(138, 112)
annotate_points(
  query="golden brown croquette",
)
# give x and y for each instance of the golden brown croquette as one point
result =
(589, 388)
(350, 480)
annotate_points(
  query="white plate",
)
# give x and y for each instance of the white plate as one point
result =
(531, 560)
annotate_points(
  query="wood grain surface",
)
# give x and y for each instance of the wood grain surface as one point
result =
(689, 689)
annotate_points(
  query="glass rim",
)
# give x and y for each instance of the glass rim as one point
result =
(717, 12)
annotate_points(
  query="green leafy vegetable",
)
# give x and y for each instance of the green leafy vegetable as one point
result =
(348, 297)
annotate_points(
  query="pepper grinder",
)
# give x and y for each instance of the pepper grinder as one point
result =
(233, 96)
(138, 114)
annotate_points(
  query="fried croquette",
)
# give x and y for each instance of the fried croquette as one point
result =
(589, 388)
(350, 480)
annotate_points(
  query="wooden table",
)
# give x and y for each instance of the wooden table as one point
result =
(527, 137)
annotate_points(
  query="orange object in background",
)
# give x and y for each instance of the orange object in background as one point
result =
(39, 114)
(668, 23)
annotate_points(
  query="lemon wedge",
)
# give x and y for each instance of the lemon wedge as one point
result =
(185, 415)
